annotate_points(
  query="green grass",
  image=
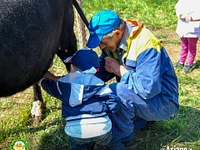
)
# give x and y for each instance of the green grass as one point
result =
(180, 131)
(153, 13)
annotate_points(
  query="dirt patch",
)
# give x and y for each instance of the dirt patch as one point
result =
(171, 42)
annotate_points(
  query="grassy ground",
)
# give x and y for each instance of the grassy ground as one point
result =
(180, 131)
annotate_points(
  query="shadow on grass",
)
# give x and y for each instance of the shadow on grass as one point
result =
(180, 131)
(55, 139)
(196, 65)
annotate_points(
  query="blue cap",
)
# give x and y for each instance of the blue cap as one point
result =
(84, 59)
(101, 24)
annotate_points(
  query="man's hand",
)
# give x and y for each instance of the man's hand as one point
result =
(113, 66)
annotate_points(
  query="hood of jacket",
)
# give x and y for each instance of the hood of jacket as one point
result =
(84, 85)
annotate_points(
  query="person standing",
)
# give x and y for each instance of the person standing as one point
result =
(188, 28)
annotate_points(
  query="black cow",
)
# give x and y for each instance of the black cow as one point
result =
(31, 33)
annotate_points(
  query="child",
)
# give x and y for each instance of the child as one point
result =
(86, 100)
(188, 29)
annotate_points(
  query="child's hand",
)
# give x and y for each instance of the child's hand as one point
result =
(188, 18)
(51, 76)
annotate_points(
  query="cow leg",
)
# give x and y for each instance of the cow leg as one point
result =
(38, 105)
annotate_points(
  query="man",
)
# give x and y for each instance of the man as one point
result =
(146, 82)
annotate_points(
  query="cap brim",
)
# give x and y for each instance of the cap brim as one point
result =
(68, 59)
(94, 41)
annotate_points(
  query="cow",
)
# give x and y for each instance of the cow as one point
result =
(31, 33)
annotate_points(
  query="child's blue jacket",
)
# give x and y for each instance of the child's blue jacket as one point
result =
(86, 103)
(82, 93)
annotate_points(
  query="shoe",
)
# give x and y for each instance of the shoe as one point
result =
(130, 144)
(187, 68)
(98, 147)
(178, 65)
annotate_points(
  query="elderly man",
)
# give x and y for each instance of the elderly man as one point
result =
(146, 81)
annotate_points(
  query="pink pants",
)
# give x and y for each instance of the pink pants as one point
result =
(188, 48)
